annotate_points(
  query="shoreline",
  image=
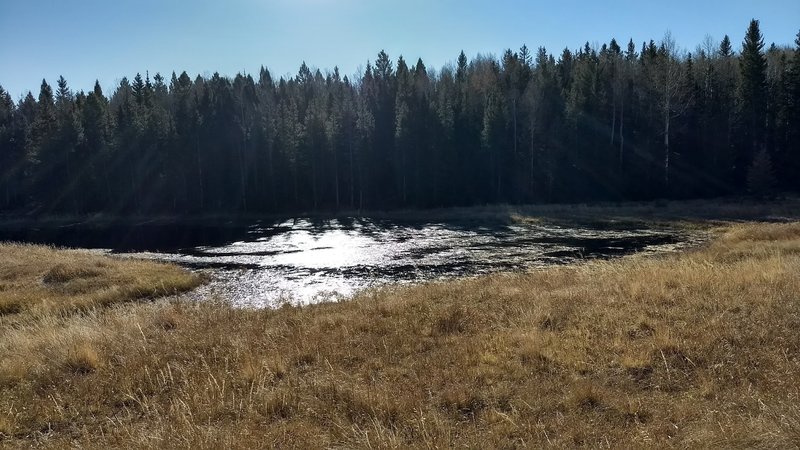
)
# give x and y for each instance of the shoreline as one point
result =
(721, 209)
(687, 349)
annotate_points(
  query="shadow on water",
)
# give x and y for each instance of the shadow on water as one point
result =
(127, 238)
(308, 260)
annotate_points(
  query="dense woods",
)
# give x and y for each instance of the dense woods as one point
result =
(622, 121)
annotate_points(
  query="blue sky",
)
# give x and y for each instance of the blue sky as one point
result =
(106, 40)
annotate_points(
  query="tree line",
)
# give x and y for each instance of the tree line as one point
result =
(614, 123)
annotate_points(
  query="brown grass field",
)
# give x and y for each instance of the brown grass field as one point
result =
(694, 349)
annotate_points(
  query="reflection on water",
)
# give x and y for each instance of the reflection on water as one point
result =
(304, 261)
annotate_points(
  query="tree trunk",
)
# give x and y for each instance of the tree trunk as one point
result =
(72, 196)
(200, 174)
(336, 175)
(184, 189)
(271, 175)
(352, 179)
(314, 174)
(621, 135)
(109, 194)
(361, 181)
(666, 148)
(405, 171)
(294, 183)
(515, 127)
(242, 175)
(613, 120)
(314, 185)
(531, 178)
(499, 179)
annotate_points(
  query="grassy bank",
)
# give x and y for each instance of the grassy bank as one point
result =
(41, 280)
(693, 349)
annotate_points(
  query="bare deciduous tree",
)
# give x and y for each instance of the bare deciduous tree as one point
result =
(674, 96)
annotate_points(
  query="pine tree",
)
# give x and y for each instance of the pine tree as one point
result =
(65, 159)
(492, 142)
(461, 71)
(41, 149)
(403, 130)
(96, 149)
(792, 115)
(752, 95)
(725, 47)
(12, 153)
(613, 124)
(138, 89)
(365, 129)
(383, 66)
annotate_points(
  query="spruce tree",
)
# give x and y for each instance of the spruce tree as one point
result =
(461, 70)
(518, 128)
(792, 115)
(402, 132)
(10, 152)
(725, 47)
(96, 151)
(67, 140)
(138, 89)
(752, 95)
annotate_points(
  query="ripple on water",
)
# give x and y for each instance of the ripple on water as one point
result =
(263, 264)
(306, 262)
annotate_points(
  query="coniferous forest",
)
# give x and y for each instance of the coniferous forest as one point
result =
(619, 122)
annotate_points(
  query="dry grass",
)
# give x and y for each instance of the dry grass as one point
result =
(43, 280)
(699, 349)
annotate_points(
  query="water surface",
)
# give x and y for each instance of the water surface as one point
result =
(305, 260)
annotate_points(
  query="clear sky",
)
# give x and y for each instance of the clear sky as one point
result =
(84, 40)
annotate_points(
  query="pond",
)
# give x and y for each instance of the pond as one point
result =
(302, 260)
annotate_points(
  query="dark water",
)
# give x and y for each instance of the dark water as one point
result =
(305, 261)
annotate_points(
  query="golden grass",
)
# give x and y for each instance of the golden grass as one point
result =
(699, 349)
(44, 280)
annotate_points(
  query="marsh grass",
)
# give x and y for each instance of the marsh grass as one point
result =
(46, 280)
(698, 349)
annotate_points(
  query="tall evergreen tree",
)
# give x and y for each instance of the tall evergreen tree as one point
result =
(96, 150)
(752, 97)
(12, 153)
(792, 117)
(602, 122)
